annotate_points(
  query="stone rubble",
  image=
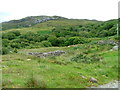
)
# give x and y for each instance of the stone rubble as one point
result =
(47, 54)
(103, 42)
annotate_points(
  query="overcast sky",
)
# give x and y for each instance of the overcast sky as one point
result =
(77, 9)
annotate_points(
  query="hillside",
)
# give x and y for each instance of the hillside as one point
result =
(28, 21)
(59, 32)
(58, 53)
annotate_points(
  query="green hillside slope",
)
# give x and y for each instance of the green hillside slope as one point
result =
(28, 21)
(87, 46)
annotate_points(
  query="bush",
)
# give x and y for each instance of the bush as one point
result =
(80, 58)
(5, 50)
(36, 82)
(53, 40)
(29, 36)
(17, 33)
(8, 35)
(16, 45)
(84, 34)
(76, 40)
(83, 58)
(6, 82)
(46, 43)
(61, 41)
(117, 38)
(5, 42)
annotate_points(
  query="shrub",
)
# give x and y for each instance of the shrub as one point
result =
(53, 40)
(17, 33)
(5, 50)
(61, 41)
(46, 43)
(36, 82)
(5, 42)
(76, 40)
(9, 36)
(29, 36)
(16, 45)
(117, 37)
(83, 58)
(6, 82)
(80, 58)
(84, 34)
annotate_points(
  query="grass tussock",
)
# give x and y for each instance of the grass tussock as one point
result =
(36, 82)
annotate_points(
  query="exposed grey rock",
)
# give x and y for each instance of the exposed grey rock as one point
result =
(47, 54)
(103, 42)
(113, 84)
(93, 80)
(44, 19)
(115, 48)
(83, 77)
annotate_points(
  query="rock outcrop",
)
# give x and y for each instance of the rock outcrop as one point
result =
(93, 80)
(47, 54)
(103, 42)
(115, 48)
(28, 21)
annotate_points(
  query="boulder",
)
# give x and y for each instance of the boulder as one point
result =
(115, 48)
(93, 80)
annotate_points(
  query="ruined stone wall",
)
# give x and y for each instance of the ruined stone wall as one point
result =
(47, 54)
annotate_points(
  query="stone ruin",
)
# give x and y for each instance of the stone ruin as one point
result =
(103, 42)
(47, 54)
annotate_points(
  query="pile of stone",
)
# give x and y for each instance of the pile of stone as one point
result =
(103, 42)
(47, 54)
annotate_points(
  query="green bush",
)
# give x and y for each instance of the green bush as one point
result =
(5, 50)
(61, 41)
(29, 36)
(84, 34)
(83, 58)
(5, 42)
(76, 40)
(17, 33)
(53, 40)
(16, 45)
(36, 82)
(46, 43)
(8, 35)
(117, 38)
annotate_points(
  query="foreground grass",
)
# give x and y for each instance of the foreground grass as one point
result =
(21, 70)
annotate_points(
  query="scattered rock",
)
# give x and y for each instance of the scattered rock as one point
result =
(93, 80)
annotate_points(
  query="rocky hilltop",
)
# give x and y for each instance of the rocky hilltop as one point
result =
(28, 21)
